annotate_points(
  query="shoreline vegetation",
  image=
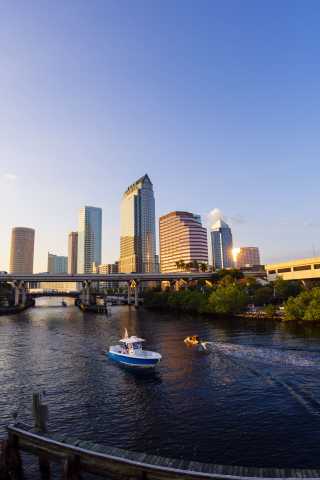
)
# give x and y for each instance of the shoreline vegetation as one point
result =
(231, 294)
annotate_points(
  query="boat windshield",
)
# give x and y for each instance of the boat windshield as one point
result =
(130, 347)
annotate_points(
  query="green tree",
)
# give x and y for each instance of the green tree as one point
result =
(180, 264)
(303, 307)
(229, 299)
(262, 296)
(284, 289)
(203, 266)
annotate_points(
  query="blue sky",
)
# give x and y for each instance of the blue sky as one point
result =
(218, 101)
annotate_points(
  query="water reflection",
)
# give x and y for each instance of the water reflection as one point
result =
(253, 399)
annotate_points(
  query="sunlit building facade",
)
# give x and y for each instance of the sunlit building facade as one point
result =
(222, 245)
(72, 252)
(138, 238)
(89, 238)
(183, 240)
(107, 269)
(247, 257)
(57, 263)
(22, 250)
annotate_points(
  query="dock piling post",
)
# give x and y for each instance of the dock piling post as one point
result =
(11, 464)
(40, 414)
(71, 468)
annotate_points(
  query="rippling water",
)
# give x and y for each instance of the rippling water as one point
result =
(253, 398)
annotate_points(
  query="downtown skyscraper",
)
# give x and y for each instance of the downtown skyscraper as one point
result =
(22, 250)
(89, 238)
(72, 252)
(138, 231)
(182, 239)
(222, 245)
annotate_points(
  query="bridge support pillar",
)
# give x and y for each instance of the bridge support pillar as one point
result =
(85, 297)
(16, 295)
(20, 294)
(136, 294)
(23, 295)
(129, 293)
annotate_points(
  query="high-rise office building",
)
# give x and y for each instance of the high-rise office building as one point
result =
(247, 257)
(89, 238)
(57, 263)
(182, 239)
(106, 269)
(22, 250)
(138, 238)
(221, 242)
(72, 252)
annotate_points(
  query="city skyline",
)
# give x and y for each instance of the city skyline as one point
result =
(230, 123)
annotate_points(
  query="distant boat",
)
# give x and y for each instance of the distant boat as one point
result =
(192, 340)
(129, 352)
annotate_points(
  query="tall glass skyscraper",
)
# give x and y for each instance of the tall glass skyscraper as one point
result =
(138, 231)
(222, 244)
(89, 238)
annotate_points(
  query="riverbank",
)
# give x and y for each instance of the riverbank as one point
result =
(17, 308)
(237, 300)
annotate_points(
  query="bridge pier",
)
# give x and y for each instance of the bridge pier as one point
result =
(136, 294)
(85, 293)
(129, 293)
(20, 294)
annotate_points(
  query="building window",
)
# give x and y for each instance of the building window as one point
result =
(301, 268)
(316, 265)
(284, 270)
(271, 272)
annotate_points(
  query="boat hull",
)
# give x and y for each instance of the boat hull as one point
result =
(131, 361)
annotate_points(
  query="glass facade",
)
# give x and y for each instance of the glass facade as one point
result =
(222, 245)
(57, 264)
(89, 238)
(138, 237)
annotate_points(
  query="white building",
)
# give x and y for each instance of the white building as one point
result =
(89, 238)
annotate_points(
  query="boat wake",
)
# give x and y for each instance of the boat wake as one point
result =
(267, 356)
(246, 357)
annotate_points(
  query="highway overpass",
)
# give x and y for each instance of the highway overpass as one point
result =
(301, 269)
(114, 277)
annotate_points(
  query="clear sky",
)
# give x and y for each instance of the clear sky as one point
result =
(218, 101)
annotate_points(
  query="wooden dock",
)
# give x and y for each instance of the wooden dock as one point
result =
(78, 457)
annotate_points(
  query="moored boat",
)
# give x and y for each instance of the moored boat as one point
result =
(129, 352)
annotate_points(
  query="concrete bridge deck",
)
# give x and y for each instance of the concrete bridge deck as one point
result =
(114, 277)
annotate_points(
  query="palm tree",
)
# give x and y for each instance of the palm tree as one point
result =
(180, 265)
(203, 267)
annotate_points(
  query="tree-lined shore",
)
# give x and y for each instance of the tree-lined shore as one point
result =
(232, 294)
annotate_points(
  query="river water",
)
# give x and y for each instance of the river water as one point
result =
(253, 399)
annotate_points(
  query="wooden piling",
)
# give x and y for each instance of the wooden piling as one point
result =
(71, 468)
(10, 459)
(40, 413)
(40, 416)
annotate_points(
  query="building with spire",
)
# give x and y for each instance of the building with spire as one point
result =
(222, 245)
(138, 237)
